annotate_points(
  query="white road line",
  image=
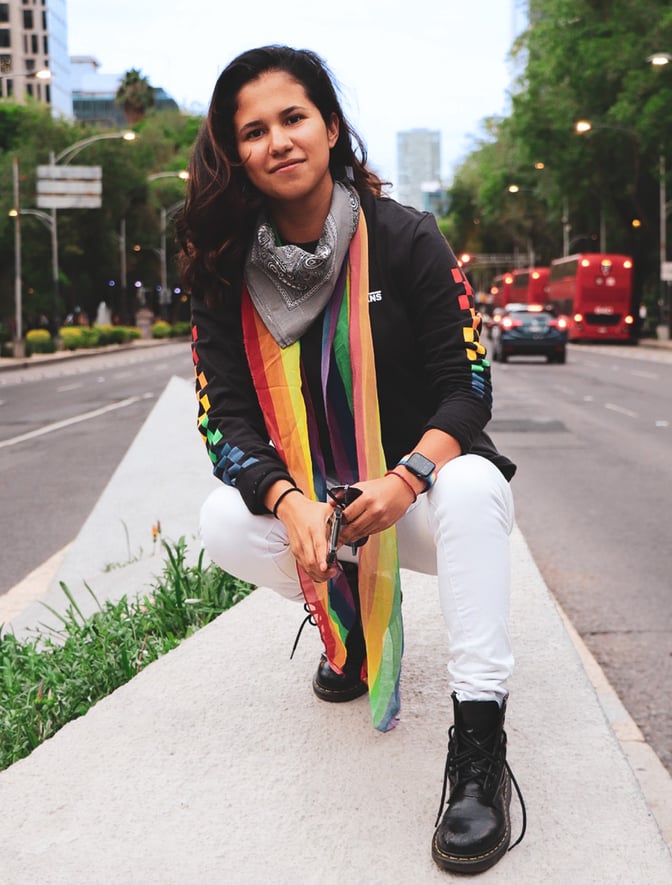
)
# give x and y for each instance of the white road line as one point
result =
(65, 387)
(76, 419)
(639, 374)
(620, 410)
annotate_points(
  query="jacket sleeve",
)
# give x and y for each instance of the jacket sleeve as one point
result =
(446, 324)
(230, 420)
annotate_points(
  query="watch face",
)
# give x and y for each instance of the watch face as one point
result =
(420, 466)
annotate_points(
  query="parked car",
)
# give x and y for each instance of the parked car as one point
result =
(529, 330)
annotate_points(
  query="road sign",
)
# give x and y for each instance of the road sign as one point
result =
(69, 187)
(666, 271)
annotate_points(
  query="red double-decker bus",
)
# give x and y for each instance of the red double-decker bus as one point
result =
(500, 290)
(594, 292)
(530, 285)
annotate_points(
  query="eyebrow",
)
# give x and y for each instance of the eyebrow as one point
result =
(253, 124)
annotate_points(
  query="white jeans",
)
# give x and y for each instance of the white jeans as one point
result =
(459, 531)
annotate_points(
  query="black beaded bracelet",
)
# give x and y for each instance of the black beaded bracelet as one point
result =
(284, 495)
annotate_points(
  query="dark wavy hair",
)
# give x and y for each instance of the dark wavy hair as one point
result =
(214, 227)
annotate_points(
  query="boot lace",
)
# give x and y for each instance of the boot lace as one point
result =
(309, 619)
(474, 761)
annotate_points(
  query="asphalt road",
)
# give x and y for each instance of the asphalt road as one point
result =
(64, 428)
(593, 443)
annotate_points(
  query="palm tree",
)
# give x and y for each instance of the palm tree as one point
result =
(135, 95)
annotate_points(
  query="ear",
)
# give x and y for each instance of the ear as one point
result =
(333, 130)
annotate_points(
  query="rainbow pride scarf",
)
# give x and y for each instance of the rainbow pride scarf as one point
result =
(351, 406)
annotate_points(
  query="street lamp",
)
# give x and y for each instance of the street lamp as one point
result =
(64, 157)
(166, 214)
(183, 174)
(70, 152)
(43, 75)
(583, 127)
(516, 189)
(660, 59)
(18, 308)
(49, 220)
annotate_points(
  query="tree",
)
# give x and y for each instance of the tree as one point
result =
(582, 59)
(135, 96)
(89, 242)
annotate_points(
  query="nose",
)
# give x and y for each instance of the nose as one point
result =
(280, 142)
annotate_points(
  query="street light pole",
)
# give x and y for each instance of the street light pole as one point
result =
(64, 157)
(662, 59)
(162, 255)
(71, 152)
(566, 227)
(18, 305)
(123, 307)
(48, 222)
(165, 215)
(662, 207)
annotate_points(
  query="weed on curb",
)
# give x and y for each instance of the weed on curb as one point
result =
(49, 680)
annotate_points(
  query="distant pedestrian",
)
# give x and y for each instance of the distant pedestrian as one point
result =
(343, 393)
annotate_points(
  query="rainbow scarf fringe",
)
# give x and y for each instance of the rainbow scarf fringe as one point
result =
(351, 406)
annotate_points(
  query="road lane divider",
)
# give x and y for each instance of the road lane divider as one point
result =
(620, 410)
(76, 419)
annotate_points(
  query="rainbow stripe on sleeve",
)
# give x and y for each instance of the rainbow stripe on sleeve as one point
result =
(475, 351)
(227, 460)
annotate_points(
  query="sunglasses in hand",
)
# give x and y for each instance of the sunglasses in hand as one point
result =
(342, 496)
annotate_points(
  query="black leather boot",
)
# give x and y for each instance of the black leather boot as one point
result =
(335, 687)
(476, 828)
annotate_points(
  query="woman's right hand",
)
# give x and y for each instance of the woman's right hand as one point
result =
(306, 522)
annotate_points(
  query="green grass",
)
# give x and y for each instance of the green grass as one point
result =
(53, 678)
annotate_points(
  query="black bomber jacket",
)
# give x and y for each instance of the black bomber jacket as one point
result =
(431, 368)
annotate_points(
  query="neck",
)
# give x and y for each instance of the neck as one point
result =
(302, 221)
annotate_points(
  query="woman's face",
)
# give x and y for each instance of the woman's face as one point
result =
(283, 140)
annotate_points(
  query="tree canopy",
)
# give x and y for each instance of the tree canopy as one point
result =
(89, 239)
(577, 60)
(135, 96)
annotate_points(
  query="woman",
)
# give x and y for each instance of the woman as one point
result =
(343, 393)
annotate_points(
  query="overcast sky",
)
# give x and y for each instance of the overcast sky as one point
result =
(401, 64)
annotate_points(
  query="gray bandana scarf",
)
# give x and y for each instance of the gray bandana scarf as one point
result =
(291, 287)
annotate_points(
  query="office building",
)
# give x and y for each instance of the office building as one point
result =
(34, 63)
(33, 41)
(418, 167)
(93, 94)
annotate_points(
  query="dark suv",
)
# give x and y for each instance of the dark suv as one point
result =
(529, 330)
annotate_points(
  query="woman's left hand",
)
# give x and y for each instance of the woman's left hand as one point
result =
(382, 503)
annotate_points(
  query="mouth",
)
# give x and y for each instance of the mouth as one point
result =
(288, 164)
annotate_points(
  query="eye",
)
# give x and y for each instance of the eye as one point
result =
(295, 118)
(251, 134)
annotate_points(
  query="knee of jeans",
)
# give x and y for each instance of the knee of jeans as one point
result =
(217, 521)
(473, 485)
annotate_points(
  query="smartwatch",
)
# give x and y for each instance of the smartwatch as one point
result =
(420, 467)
